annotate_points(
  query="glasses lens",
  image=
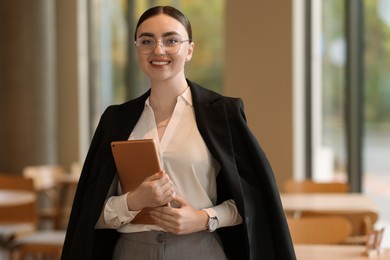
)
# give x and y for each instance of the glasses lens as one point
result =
(171, 44)
(146, 45)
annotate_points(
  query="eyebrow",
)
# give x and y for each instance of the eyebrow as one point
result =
(164, 34)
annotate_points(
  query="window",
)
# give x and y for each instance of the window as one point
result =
(328, 67)
(376, 137)
(349, 64)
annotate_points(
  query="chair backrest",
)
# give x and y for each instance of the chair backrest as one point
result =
(309, 186)
(20, 212)
(44, 176)
(362, 222)
(319, 230)
(76, 168)
(15, 182)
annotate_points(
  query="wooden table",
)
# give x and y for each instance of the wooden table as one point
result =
(339, 202)
(335, 252)
(17, 206)
(10, 198)
(15, 197)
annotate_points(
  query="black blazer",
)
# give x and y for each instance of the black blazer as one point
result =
(245, 176)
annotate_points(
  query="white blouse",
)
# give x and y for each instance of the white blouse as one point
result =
(185, 158)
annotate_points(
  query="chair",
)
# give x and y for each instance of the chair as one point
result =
(319, 230)
(362, 223)
(19, 225)
(310, 186)
(45, 184)
(19, 219)
(76, 168)
(43, 243)
(40, 243)
(67, 186)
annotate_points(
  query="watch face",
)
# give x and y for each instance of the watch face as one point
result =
(213, 224)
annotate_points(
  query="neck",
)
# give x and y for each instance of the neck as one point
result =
(164, 94)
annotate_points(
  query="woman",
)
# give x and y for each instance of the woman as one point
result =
(225, 201)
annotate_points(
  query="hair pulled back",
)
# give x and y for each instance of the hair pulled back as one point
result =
(167, 10)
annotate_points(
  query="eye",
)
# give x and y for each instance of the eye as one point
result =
(171, 41)
(146, 41)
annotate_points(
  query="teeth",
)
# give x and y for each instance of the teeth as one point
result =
(160, 62)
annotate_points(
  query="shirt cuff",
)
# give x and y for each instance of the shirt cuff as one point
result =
(116, 212)
(227, 214)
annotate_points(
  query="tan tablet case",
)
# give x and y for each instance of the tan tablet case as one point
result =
(135, 161)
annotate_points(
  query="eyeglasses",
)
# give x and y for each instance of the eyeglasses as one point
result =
(170, 45)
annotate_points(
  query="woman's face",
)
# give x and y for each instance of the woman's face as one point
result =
(160, 65)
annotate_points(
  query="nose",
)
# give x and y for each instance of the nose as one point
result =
(159, 48)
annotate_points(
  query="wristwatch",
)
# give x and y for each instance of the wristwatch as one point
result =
(213, 222)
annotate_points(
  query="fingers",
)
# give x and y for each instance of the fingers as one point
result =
(161, 175)
(165, 218)
(165, 186)
(182, 220)
(156, 176)
(174, 204)
(180, 200)
(157, 189)
(177, 201)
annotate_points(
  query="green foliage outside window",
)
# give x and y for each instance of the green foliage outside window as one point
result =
(377, 65)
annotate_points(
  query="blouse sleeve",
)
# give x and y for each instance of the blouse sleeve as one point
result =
(115, 212)
(227, 214)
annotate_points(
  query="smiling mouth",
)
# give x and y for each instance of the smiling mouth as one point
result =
(160, 63)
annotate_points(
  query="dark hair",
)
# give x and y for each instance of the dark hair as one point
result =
(167, 10)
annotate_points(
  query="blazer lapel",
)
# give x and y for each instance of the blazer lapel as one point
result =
(213, 124)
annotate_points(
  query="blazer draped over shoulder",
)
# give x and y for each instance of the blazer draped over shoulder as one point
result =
(245, 176)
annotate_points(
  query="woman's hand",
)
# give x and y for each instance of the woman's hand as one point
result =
(182, 220)
(155, 191)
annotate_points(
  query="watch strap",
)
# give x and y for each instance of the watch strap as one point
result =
(213, 222)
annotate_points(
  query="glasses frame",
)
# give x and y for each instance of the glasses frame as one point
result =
(158, 42)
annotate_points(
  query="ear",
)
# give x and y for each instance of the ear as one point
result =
(190, 51)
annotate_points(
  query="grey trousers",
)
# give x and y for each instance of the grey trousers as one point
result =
(158, 245)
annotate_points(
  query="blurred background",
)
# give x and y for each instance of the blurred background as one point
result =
(314, 76)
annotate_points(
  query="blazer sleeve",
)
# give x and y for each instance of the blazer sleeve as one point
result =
(81, 236)
(267, 227)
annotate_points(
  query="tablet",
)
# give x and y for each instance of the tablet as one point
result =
(135, 160)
